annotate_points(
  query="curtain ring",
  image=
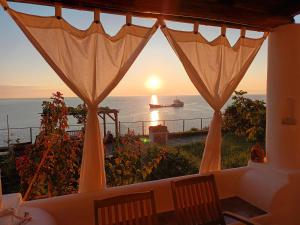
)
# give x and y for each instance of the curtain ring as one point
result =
(223, 31)
(96, 16)
(196, 27)
(128, 19)
(162, 23)
(266, 34)
(156, 24)
(58, 7)
(243, 33)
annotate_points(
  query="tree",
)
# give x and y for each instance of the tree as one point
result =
(59, 173)
(246, 117)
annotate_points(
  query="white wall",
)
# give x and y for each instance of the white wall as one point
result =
(77, 209)
(283, 97)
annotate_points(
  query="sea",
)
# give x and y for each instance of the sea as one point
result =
(20, 118)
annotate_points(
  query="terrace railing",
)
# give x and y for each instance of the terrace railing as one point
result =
(28, 134)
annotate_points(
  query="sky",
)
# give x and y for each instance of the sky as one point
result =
(25, 74)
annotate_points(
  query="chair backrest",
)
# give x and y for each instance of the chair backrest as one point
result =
(131, 209)
(196, 201)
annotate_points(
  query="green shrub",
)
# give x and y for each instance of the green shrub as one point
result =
(132, 161)
(173, 164)
(9, 175)
(246, 117)
(193, 152)
(235, 151)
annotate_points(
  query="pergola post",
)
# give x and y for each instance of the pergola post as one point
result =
(113, 115)
(116, 120)
(104, 124)
(283, 98)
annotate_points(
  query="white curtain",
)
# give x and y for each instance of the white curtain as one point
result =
(91, 63)
(215, 68)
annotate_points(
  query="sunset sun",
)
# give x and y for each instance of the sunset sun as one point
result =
(153, 83)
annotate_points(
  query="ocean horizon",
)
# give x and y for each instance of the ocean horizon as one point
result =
(25, 113)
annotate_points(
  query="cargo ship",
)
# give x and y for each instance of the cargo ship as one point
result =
(176, 103)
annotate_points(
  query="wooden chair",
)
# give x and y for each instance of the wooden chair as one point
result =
(196, 202)
(131, 209)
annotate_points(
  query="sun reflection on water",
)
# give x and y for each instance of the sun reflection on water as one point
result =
(154, 100)
(154, 117)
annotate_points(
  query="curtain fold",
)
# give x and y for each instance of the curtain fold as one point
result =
(215, 68)
(89, 175)
(91, 63)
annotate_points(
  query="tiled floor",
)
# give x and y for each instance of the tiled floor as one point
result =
(241, 207)
(234, 204)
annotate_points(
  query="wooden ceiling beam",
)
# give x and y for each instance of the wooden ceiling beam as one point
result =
(289, 8)
(231, 13)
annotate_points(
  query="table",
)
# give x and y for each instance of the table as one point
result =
(39, 216)
(12, 200)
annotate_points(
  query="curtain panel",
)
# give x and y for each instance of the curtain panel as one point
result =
(91, 63)
(215, 68)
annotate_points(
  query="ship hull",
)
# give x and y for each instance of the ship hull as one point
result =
(177, 105)
(153, 106)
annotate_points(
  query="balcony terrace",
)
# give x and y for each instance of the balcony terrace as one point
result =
(272, 186)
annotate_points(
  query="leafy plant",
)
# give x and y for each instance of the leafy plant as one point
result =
(59, 173)
(132, 161)
(246, 118)
(79, 112)
(173, 164)
(9, 175)
(235, 151)
(192, 152)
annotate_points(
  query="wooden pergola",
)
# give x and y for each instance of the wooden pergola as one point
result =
(103, 113)
(111, 113)
(252, 15)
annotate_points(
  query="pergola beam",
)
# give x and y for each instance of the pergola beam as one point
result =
(102, 112)
(252, 15)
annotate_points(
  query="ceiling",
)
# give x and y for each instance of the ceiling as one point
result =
(250, 14)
